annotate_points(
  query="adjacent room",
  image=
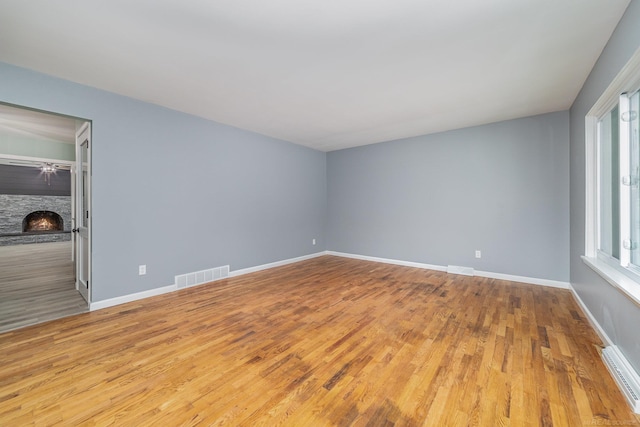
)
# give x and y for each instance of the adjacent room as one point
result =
(37, 251)
(320, 213)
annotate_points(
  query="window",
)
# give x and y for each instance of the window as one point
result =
(612, 245)
(608, 185)
(618, 184)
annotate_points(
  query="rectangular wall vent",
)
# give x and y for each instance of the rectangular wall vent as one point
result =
(202, 276)
(626, 377)
(456, 269)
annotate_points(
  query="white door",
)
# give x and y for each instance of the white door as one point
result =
(82, 225)
(73, 212)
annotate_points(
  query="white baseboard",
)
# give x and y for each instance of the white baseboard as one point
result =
(625, 376)
(524, 279)
(389, 261)
(131, 297)
(488, 274)
(592, 320)
(274, 264)
(171, 288)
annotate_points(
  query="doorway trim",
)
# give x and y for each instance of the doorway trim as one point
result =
(81, 217)
(79, 124)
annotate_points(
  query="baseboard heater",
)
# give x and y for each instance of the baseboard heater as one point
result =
(626, 377)
(203, 276)
(456, 269)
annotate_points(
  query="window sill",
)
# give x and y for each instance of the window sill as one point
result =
(615, 278)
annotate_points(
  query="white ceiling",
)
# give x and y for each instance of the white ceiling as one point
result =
(36, 125)
(327, 74)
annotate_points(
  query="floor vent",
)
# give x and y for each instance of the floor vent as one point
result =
(456, 269)
(624, 374)
(202, 276)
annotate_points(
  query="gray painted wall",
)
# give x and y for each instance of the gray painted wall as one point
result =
(614, 312)
(502, 188)
(180, 193)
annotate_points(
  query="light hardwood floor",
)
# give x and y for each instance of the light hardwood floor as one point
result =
(325, 342)
(37, 284)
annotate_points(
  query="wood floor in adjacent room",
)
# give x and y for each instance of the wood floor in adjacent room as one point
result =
(324, 342)
(37, 283)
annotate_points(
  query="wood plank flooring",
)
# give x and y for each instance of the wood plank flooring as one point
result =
(37, 284)
(324, 342)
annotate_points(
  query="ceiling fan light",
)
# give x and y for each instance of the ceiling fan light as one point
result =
(48, 168)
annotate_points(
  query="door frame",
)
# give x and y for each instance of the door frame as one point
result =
(82, 189)
(79, 124)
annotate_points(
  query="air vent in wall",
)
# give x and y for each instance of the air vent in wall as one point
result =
(202, 276)
(456, 269)
(624, 374)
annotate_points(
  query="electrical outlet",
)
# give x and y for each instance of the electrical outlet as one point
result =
(478, 254)
(313, 242)
(142, 270)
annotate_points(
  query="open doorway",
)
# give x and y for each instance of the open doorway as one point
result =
(45, 228)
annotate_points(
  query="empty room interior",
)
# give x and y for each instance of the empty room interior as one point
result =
(410, 213)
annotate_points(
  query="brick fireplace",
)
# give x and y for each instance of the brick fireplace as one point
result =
(34, 219)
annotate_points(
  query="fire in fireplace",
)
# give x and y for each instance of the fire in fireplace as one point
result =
(42, 221)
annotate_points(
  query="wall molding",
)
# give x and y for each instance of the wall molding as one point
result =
(591, 318)
(274, 264)
(524, 279)
(172, 288)
(389, 261)
(488, 274)
(621, 371)
(131, 297)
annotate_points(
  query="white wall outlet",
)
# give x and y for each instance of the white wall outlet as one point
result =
(313, 242)
(478, 254)
(142, 270)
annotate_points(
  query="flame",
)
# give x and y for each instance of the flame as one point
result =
(42, 224)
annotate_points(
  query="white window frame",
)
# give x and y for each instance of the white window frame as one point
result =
(613, 271)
